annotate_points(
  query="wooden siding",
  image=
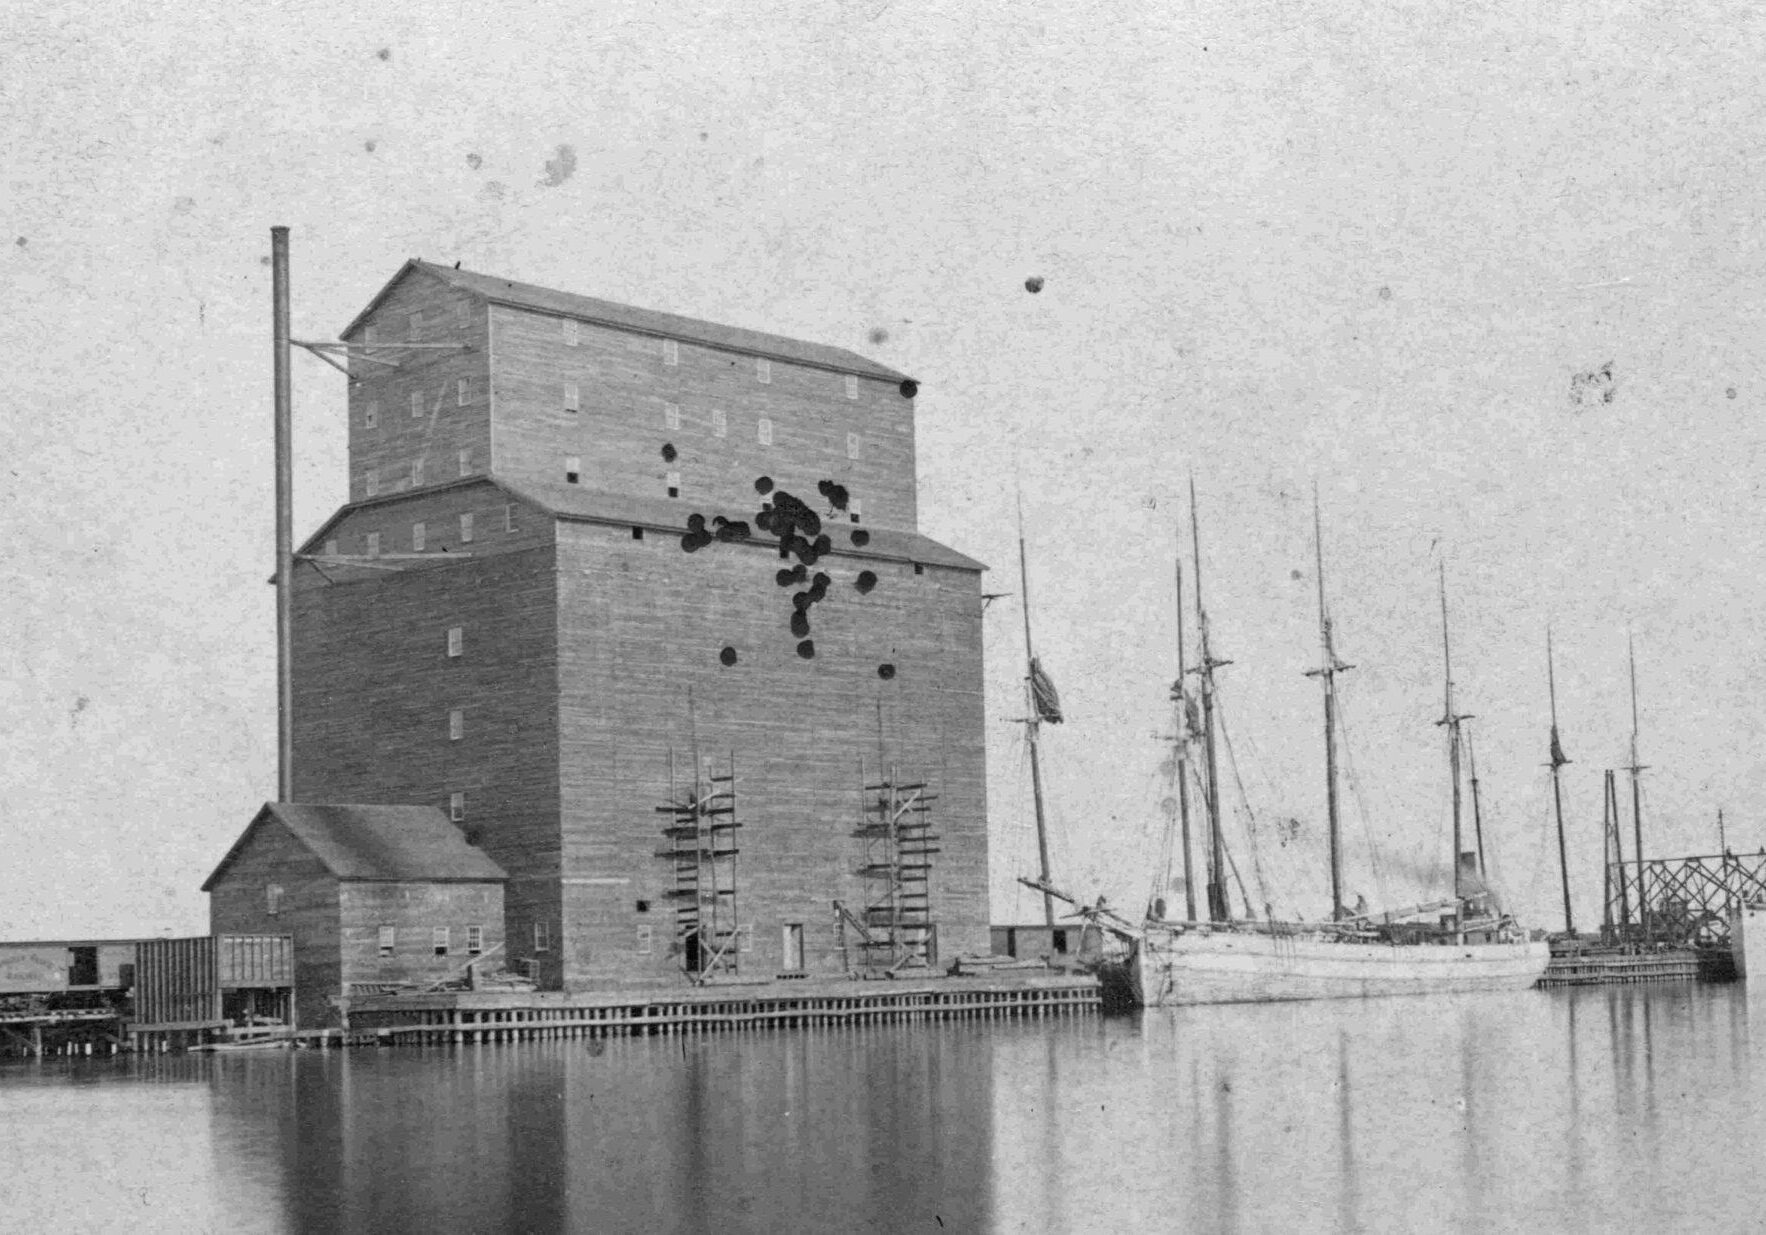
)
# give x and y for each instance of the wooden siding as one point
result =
(413, 910)
(445, 428)
(374, 686)
(45, 966)
(439, 512)
(642, 623)
(620, 431)
(308, 911)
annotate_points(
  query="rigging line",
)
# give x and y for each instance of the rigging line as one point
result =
(1250, 815)
(1382, 886)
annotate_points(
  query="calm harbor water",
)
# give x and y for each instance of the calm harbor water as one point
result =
(1603, 1109)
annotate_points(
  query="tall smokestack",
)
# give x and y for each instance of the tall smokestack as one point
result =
(284, 518)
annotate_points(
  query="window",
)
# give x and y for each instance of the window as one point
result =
(416, 326)
(331, 548)
(856, 509)
(371, 336)
(456, 725)
(419, 534)
(371, 482)
(720, 423)
(416, 404)
(763, 372)
(456, 640)
(273, 899)
(373, 544)
(671, 415)
(466, 528)
(416, 472)
(465, 463)
(765, 431)
(671, 352)
(573, 469)
(674, 484)
(919, 568)
(573, 398)
(474, 940)
(509, 517)
(457, 807)
(637, 533)
(572, 332)
(646, 933)
(463, 391)
(852, 445)
(463, 314)
(793, 947)
(371, 418)
(438, 939)
(851, 386)
(389, 939)
(542, 937)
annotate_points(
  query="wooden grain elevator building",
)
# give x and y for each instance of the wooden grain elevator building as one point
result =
(641, 604)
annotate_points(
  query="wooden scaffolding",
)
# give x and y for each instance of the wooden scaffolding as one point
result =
(894, 930)
(700, 843)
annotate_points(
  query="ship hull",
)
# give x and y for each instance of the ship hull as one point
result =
(1232, 967)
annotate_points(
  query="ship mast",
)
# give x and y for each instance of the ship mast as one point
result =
(1218, 908)
(1477, 811)
(1033, 727)
(1327, 675)
(1557, 794)
(1451, 720)
(1182, 753)
(1636, 768)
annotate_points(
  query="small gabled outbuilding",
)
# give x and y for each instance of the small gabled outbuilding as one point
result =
(374, 897)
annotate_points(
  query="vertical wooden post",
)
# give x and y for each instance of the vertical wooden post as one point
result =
(284, 419)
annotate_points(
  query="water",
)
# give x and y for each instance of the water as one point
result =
(1601, 1109)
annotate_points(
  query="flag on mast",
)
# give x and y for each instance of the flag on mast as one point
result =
(1044, 695)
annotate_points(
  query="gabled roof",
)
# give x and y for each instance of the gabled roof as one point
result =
(357, 842)
(640, 321)
(662, 514)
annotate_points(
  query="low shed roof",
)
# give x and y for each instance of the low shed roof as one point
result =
(370, 842)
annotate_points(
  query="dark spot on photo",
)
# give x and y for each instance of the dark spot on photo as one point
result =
(1033, 284)
(807, 649)
(1385, 293)
(728, 656)
(1593, 388)
(861, 538)
(790, 578)
(730, 530)
(837, 494)
(668, 452)
(369, 145)
(21, 242)
(867, 579)
(1730, 393)
(885, 672)
(800, 624)
(474, 162)
(910, 388)
(695, 523)
(764, 485)
(385, 53)
(560, 167)
(879, 335)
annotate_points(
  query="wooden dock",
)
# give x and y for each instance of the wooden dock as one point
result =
(1603, 966)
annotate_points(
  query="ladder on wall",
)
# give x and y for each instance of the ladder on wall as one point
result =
(896, 927)
(700, 843)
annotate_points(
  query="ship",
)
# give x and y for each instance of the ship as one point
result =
(1464, 942)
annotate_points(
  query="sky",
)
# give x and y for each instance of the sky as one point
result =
(1489, 278)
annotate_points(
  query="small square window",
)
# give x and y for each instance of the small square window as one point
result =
(466, 528)
(572, 332)
(465, 463)
(720, 423)
(389, 939)
(371, 335)
(416, 326)
(456, 725)
(851, 386)
(463, 313)
(637, 533)
(919, 568)
(573, 469)
(542, 937)
(474, 940)
(419, 533)
(331, 548)
(509, 524)
(457, 807)
(371, 482)
(463, 391)
(671, 415)
(573, 398)
(373, 544)
(674, 484)
(273, 899)
(764, 430)
(438, 939)
(852, 445)
(646, 933)
(763, 372)
(416, 473)
(671, 352)
(371, 418)
(456, 640)
(416, 404)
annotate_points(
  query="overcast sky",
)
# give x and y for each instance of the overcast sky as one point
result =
(1490, 279)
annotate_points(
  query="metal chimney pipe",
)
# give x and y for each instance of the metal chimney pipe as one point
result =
(284, 517)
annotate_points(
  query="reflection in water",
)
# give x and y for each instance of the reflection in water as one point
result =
(1579, 1110)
